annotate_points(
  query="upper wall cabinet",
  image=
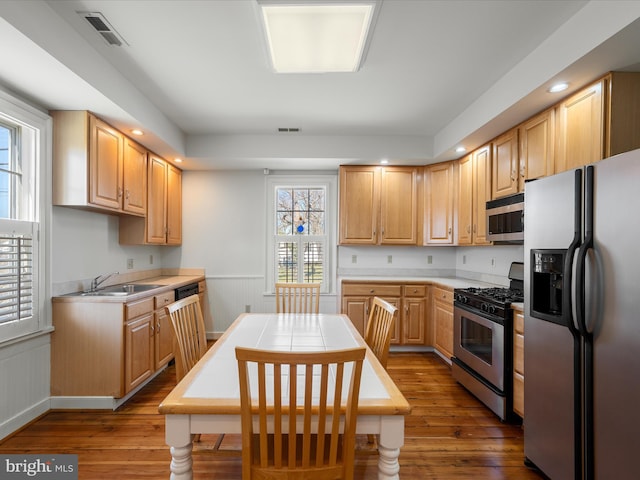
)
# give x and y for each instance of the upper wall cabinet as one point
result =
(599, 121)
(96, 167)
(379, 205)
(163, 223)
(537, 142)
(505, 164)
(474, 190)
(439, 193)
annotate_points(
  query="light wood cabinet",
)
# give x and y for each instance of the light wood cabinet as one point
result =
(410, 327)
(518, 361)
(439, 193)
(163, 331)
(139, 344)
(442, 304)
(357, 297)
(95, 167)
(379, 205)
(505, 162)
(474, 191)
(107, 347)
(599, 121)
(537, 147)
(413, 315)
(163, 223)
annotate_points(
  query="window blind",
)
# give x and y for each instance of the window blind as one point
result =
(16, 278)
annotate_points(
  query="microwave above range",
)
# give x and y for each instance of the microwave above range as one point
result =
(505, 219)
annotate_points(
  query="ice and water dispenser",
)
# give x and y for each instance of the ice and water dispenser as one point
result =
(546, 284)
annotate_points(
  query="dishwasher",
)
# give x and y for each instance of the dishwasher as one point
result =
(186, 291)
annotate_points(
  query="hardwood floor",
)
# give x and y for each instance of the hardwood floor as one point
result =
(448, 436)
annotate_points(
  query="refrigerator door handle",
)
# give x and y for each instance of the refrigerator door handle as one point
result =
(587, 245)
(567, 274)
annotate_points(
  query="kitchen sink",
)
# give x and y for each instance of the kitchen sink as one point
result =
(118, 290)
(129, 288)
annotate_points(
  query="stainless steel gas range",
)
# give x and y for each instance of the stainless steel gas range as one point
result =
(483, 342)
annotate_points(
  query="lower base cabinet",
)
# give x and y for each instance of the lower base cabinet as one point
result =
(518, 361)
(442, 302)
(411, 300)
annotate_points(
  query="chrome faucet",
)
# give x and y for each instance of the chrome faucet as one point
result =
(101, 279)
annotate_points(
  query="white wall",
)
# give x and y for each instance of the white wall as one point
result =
(85, 245)
(223, 231)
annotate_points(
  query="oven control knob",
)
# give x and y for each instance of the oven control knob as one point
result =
(492, 309)
(484, 307)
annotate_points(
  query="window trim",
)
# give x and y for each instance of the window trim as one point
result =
(298, 180)
(15, 110)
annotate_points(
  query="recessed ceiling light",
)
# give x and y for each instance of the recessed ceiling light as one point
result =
(318, 37)
(558, 87)
(136, 131)
(461, 150)
(384, 161)
(178, 160)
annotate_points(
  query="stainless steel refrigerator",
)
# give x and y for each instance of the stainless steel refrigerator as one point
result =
(582, 321)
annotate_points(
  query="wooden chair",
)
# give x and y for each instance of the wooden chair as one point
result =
(190, 337)
(297, 297)
(188, 326)
(380, 328)
(304, 440)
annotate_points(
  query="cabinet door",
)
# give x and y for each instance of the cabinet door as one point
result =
(357, 309)
(105, 164)
(138, 351)
(581, 128)
(465, 200)
(518, 362)
(399, 206)
(413, 324)
(481, 193)
(443, 317)
(359, 205)
(439, 194)
(157, 201)
(163, 339)
(505, 164)
(174, 205)
(537, 147)
(134, 178)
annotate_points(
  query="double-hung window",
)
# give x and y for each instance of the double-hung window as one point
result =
(21, 148)
(302, 218)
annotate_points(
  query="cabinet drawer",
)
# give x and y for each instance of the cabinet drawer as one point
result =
(202, 286)
(164, 299)
(414, 290)
(140, 307)
(443, 295)
(518, 321)
(371, 289)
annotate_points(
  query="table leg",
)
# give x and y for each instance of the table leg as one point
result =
(179, 438)
(390, 441)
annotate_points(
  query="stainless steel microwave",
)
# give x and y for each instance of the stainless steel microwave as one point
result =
(505, 219)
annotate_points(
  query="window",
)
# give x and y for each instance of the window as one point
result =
(21, 148)
(301, 213)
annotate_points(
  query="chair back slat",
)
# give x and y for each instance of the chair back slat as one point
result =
(188, 326)
(380, 328)
(297, 297)
(299, 403)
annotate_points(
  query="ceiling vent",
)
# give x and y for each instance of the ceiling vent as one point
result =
(288, 130)
(104, 28)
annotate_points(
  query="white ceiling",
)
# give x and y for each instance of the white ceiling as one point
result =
(195, 76)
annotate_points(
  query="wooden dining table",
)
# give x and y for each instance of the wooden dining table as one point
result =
(207, 400)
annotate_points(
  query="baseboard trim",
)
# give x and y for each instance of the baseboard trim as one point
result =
(24, 418)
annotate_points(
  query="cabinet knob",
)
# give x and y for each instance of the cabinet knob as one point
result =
(372, 291)
(449, 230)
(513, 174)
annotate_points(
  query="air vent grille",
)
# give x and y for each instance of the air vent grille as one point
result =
(288, 130)
(109, 34)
